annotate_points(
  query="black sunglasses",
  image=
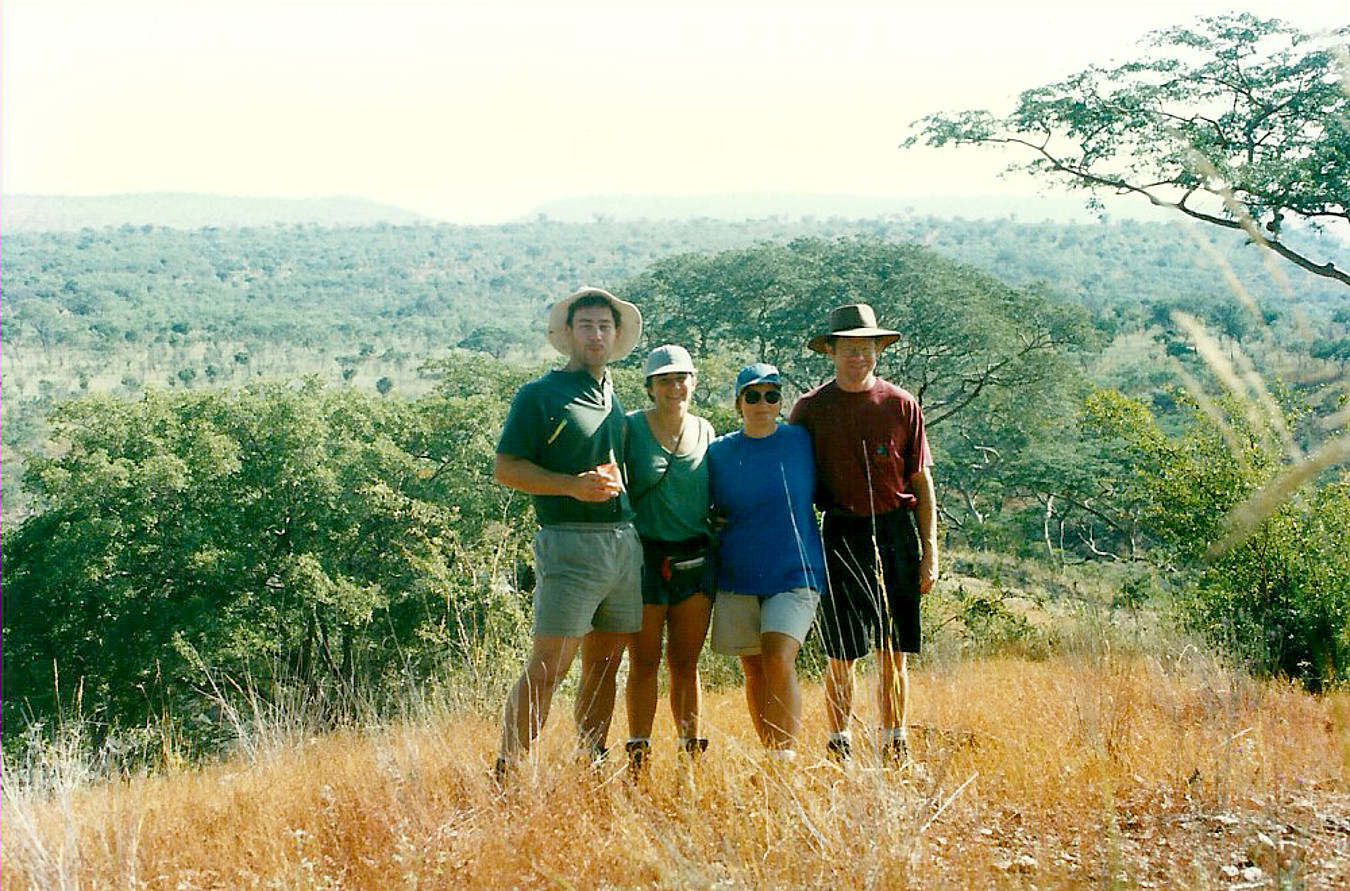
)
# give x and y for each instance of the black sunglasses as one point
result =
(773, 397)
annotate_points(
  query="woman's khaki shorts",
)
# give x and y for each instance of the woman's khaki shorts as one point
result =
(739, 620)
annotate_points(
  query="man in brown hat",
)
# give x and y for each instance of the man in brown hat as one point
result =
(560, 445)
(874, 487)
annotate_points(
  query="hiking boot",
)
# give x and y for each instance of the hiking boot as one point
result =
(695, 748)
(500, 770)
(840, 751)
(896, 754)
(639, 752)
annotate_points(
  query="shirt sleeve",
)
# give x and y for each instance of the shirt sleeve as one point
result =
(520, 433)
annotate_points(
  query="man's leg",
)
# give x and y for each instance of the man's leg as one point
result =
(892, 689)
(601, 653)
(527, 704)
(893, 703)
(839, 694)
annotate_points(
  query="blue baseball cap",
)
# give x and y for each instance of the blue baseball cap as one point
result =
(759, 373)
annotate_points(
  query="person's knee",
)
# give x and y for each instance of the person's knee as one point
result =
(643, 661)
(543, 675)
(779, 665)
(682, 663)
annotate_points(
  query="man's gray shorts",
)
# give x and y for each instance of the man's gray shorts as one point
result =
(588, 577)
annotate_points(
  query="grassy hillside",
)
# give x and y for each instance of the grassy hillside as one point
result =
(1078, 772)
(1068, 741)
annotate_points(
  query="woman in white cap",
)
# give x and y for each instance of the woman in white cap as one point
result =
(770, 566)
(668, 487)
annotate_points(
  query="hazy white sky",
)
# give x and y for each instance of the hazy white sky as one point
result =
(479, 111)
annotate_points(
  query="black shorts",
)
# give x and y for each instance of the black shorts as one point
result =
(672, 571)
(864, 609)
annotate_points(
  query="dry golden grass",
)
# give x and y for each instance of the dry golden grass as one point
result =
(1090, 771)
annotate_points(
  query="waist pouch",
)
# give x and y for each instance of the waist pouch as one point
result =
(671, 557)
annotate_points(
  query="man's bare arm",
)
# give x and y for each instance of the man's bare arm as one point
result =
(925, 513)
(530, 478)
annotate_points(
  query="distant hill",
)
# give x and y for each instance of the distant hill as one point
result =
(761, 205)
(178, 210)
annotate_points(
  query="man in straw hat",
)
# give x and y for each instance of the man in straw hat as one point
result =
(874, 487)
(561, 444)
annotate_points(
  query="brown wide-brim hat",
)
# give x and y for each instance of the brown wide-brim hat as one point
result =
(630, 323)
(853, 320)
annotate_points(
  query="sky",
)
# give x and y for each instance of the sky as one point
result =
(479, 112)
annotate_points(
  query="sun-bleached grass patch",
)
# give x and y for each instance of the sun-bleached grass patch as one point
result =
(1086, 768)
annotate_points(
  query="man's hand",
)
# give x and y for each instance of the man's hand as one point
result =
(595, 485)
(928, 571)
(600, 484)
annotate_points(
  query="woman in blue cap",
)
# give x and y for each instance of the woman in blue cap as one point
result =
(668, 487)
(771, 566)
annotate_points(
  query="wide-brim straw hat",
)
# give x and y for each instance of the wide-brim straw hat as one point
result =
(630, 323)
(853, 320)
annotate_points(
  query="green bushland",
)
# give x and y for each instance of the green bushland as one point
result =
(198, 554)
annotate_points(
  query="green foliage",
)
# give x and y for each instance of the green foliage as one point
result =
(1239, 122)
(1281, 598)
(277, 541)
(964, 333)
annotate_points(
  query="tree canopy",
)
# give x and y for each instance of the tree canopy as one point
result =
(279, 541)
(1238, 121)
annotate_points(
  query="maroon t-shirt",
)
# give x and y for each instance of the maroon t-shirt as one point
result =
(867, 446)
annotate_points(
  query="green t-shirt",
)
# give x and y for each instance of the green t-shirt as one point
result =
(568, 422)
(673, 507)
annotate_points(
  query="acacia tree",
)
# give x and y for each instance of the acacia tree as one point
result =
(992, 365)
(1239, 122)
(965, 334)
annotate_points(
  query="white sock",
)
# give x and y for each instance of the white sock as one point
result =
(843, 736)
(891, 735)
(635, 740)
(781, 755)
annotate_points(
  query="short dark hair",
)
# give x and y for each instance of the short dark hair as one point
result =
(593, 300)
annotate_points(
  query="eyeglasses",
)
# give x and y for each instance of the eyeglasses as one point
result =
(773, 397)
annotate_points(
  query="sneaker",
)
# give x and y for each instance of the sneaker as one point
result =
(500, 770)
(840, 751)
(639, 752)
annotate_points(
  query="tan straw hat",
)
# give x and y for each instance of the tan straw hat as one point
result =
(630, 323)
(853, 320)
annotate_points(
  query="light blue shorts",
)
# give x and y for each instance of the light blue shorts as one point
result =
(588, 577)
(740, 620)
